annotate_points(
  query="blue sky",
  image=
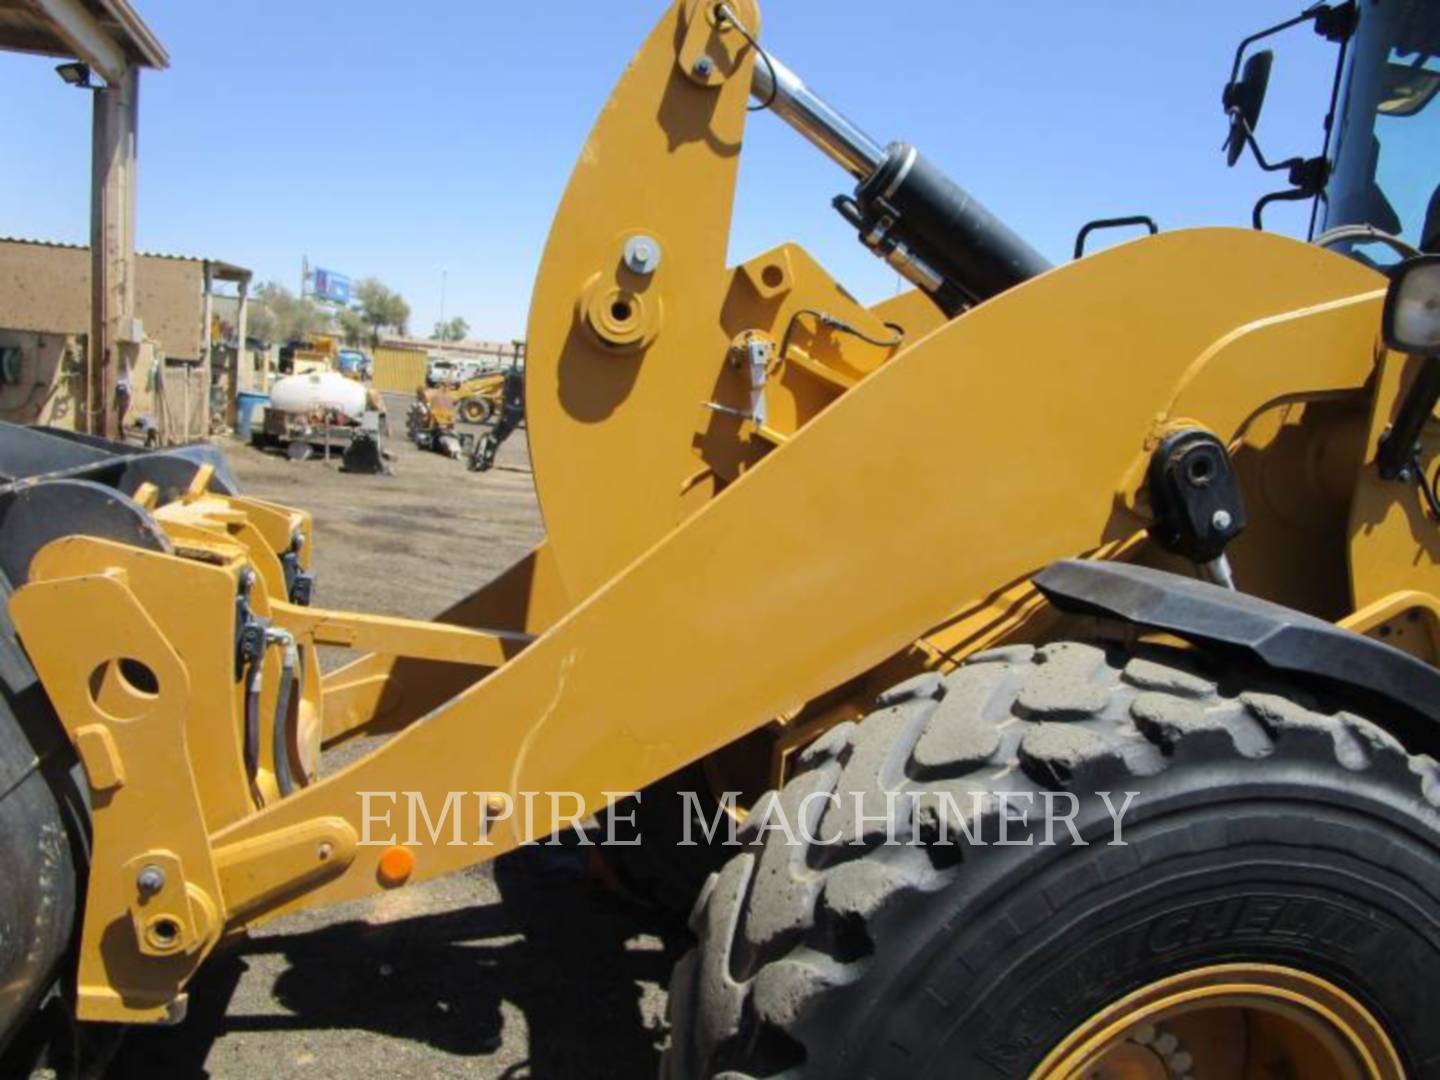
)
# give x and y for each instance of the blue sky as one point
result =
(403, 140)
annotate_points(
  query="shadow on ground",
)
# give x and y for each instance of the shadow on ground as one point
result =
(569, 956)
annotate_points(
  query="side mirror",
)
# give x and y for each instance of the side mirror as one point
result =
(1411, 321)
(1243, 100)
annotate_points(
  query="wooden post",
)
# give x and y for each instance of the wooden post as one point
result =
(207, 343)
(244, 373)
(112, 243)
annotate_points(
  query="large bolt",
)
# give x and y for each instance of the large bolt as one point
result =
(642, 254)
(1221, 520)
(704, 67)
(151, 879)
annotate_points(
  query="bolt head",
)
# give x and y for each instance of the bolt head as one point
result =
(151, 879)
(704, 67)
(1222, 520)
(642, 254)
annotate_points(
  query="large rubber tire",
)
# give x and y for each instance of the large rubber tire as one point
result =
(41, 819)
(482, 458)
(1265, 828)
(476, 410)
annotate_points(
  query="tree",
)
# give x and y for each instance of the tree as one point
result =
(353, 327)
(450, 330)
(260, 321)
(381, 307)
(277, 314)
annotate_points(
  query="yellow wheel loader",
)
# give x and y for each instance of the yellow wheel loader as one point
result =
(508, 412)
(479, 399)
(1080, 726)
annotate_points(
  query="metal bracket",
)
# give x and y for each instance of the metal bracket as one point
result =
(712, 49)
(1196, 501)
(124, 695)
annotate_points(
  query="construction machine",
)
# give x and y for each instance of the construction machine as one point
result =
(509, 403)
(309, 354)
(482, 396)
(1098, 696)
(478, 398)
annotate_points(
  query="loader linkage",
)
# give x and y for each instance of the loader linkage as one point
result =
(818, 499)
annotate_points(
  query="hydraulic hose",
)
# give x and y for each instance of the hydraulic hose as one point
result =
(289, 682)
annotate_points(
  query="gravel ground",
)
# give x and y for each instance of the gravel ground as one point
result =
(522, 968)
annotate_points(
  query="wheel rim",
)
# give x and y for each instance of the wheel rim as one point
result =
(1229, 1020)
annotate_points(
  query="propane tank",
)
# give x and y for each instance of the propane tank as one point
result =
(319, 391)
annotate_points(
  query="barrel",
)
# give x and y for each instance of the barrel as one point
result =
(245, 404)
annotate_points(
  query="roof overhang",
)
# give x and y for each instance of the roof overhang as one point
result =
(107, 35)
(225, 271)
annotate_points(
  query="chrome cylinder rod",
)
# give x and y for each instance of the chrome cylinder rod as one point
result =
(782, 91)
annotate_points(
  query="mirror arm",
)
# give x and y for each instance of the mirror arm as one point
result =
(1305, 16)
(1289, 163)
(1333, 22)
(1287, 195)
(1308, 175)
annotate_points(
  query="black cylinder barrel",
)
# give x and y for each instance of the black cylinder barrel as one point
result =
(969, 246)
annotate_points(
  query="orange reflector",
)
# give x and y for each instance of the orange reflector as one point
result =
(395, 866)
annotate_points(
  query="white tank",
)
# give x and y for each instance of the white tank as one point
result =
(319, 390)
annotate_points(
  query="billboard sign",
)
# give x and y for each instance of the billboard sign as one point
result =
(331, 286)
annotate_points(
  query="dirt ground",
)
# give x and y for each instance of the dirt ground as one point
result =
(524, 968)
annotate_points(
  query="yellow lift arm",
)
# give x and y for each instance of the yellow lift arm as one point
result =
(770, 530)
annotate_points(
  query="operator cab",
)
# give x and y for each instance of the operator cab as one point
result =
(1385, 159)
(1375, 185)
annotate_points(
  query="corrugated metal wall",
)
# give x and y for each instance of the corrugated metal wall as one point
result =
(399, 371)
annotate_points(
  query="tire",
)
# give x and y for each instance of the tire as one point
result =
(476, 410)
(483, 458)
(41, 814)
(1265, 829)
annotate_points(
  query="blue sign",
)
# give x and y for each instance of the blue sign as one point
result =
(332, 286)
